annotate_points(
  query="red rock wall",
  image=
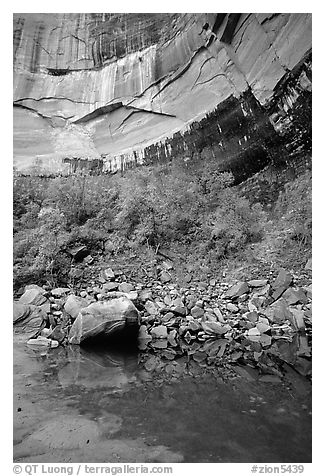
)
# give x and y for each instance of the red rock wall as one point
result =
(88, 86)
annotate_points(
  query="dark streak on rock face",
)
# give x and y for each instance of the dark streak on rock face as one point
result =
(243, 136)
(237, 135)
(18, 29)
(291, 108)
(118, 34)
(34, 64)
(255, 122)
(93, 167)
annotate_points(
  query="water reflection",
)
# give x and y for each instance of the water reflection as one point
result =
(97, 368)
(201, 418)
(296, 353)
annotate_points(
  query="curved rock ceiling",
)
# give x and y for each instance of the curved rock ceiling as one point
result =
(121, 87)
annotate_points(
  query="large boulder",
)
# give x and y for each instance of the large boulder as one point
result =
(31, 324)
(103, 319)
(20, 311)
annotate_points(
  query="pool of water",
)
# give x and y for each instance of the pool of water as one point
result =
(84, 405)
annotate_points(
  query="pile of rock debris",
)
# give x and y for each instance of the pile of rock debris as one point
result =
(254, 322)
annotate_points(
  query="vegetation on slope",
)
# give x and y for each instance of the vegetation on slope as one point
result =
(187, 207)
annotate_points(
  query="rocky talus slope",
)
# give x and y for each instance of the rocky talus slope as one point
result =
(260, 328)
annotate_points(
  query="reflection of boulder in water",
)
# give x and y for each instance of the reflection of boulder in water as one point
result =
(296, 353)
(98, 368)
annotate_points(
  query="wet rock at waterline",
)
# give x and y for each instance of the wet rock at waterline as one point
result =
(41, 341)
(103, 319)
(29, 322)
(20, 311)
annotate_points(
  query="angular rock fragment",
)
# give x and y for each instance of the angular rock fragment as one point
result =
(262, 327)
(58, 334)
(309, 291)
(151, 308)
(197, 312)
(264, 291)
(252, 316)
(159, 332)
(126, 287)
(145, 295)
(283, 280)
(257, 283)
(88, 259)
(179, 310)
(297, 319)
(59, 292)
(294, 296)
(35, 286)
(74, 304)
(33, 297)
(254, 331)
(219, 315)
(79, 252)
(278, 292)
(112, 286)
(108, 274)
(278, 312)
(41, 341)
(237, 290)
(232, 307)
(194, 325)
(159, 344)
(215, 327)
(265, 340)
(303, 366)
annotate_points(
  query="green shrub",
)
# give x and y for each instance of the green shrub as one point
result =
(235, 224)
(294, 209)
(183, 203)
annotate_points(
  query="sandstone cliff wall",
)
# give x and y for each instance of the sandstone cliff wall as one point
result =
(120, 89)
